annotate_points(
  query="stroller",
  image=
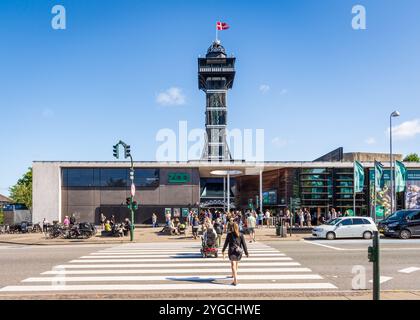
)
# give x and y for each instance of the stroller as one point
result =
(208, 244)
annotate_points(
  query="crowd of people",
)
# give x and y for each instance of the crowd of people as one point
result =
(111, 227)
(304, 218)
(217, 221)
(247, 221)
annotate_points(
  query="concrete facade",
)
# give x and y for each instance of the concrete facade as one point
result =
(46, 191)
(52, 201)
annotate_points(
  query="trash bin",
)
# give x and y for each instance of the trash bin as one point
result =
(281, 229)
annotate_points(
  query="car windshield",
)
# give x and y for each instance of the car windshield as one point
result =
(333, 222)
(397, 216)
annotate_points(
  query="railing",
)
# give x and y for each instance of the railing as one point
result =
(217, 69)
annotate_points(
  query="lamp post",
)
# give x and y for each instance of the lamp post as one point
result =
(132, 205)
(391, 172)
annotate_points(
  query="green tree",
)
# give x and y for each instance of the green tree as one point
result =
(412, 157)
(21, 192)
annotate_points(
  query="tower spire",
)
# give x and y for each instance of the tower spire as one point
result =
(216, 73)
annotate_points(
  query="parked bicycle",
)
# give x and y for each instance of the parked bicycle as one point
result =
(82, 230)
(57, 231)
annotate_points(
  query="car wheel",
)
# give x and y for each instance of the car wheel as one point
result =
(330, 236)
(367, 235)
(405, 234)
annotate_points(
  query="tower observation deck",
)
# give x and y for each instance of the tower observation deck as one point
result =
(216, 73)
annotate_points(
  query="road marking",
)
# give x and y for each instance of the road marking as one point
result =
(169, 251)
(382, 279)
(176, 266)
(116, 259)
(177, 287)
(324, 245)
(173, 277)
(173, 265)
(172, 256)
(259, 271)
(409, 270)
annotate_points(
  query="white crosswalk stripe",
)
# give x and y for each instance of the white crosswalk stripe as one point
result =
(173, 266)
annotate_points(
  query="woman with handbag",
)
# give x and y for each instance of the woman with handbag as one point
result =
(237, 246)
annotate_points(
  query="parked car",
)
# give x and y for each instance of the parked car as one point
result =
(403, 224)
(346, 227)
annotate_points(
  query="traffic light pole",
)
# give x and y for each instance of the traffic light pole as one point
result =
(132, 220)
(132, 201)
(132, 204)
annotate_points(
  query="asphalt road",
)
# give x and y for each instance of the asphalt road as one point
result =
(338, 261)
(327, 266)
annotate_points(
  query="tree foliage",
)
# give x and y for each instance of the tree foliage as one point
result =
(21, 192)
(412, 157)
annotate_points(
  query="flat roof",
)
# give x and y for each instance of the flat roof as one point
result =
(216, 164)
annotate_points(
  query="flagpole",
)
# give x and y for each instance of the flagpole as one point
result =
(374, 193)
(354, 189)
(395, 186)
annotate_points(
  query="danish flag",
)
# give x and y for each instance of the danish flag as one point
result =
(221, 25)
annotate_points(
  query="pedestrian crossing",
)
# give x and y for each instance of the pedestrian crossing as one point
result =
(146, 267)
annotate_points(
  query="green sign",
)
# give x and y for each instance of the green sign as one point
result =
(412, 175)
(380, 212)
(350, 212)
(178, 177)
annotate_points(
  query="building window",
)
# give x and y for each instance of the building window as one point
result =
(108, 177)
(146, 178)
(78, 177)
(114, 178)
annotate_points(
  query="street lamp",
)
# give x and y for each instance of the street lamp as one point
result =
(393, 115)
(131, 204)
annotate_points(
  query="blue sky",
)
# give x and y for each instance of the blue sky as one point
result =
(303, 74)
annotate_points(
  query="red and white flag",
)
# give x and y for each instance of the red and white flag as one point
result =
(133, 189)
(221, 25)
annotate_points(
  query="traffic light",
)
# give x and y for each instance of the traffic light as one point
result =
(127, 151)
(372, 254)
(131, 174)
(135, 205)
(115, 151)
(128, 203)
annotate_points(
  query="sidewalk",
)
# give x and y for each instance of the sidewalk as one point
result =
(220, 295)
(141, 234)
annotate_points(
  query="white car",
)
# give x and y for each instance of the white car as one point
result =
(346, 227)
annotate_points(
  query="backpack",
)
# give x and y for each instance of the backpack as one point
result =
(218, 228)
(236, 248)
(210, 237)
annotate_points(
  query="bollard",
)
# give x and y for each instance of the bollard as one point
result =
(373, 255)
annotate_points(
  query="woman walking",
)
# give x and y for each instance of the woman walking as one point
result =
(237, 246)
(195, 226)
(154, 220)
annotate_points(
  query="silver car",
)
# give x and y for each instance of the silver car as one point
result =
(346, 227)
